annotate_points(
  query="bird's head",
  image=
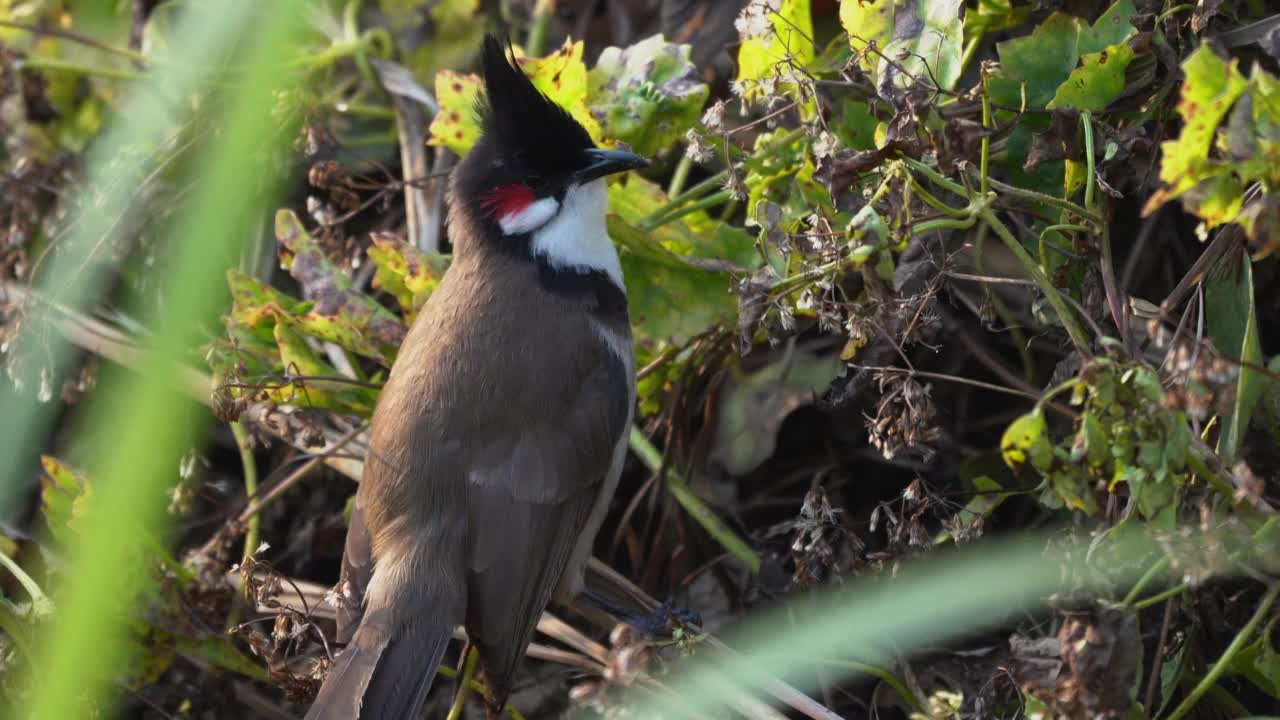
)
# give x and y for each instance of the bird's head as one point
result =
(533, 161)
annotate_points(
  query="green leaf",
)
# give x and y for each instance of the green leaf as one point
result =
(1112, 28)
(1092, 441)
(788, 39)
(1231, 318)
(1098, 81)
(1259, 663)
(656, 285)
(1037, 63)
(647, 95)
(977, 509)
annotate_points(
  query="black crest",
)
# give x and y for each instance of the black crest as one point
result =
(524, 126)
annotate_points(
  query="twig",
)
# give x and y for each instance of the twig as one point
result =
(75, 37)
(963, 381)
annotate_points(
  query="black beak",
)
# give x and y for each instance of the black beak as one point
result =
(607, 162)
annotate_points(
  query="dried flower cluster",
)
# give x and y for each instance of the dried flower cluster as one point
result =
(822, 547)
(904, 420)
(1198, 379)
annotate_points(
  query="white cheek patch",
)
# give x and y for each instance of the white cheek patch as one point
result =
(577, 237)
(530, 217)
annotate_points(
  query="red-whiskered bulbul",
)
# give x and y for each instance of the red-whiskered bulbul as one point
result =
(500, 434)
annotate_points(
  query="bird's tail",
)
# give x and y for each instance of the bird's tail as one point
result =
(384, 674)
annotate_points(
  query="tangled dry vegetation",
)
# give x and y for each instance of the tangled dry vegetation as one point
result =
(904, 276)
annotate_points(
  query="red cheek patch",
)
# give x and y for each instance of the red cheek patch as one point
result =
(507, 200)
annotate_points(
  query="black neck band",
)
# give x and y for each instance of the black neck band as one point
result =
(595, 287)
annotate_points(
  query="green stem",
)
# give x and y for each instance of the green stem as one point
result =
(919, 191)
(1078, 336)
(476, 687)
(1237, 644)
(1156, 568)
(970, 49)
(1002, 310)
(1160, 596)
(1064, 227)
(17, 631)
(1090, 202)
(40, 603)
(718, 179)
(464, 687)
(926, 226)
(1174, 10)
(250, 488)
(1201, 467)
(351, 33)
(1057, 202)
(706, 202)
(697, 509)
(877, 672)
(985, 159)
(538, 28)
(935, 176)
(680, 176)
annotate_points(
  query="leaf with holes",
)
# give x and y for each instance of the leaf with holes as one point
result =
(340, 314)
(1208, 91)
(456, 125)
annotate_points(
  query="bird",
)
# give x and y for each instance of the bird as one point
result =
(499, 436)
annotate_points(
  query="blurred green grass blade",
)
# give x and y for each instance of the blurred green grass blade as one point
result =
(136, 428)
(929, 603)
(132, 146)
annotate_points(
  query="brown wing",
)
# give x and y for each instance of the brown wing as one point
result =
(530, 492)
(357, 570)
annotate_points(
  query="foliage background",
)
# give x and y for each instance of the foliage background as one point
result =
(956, 323)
